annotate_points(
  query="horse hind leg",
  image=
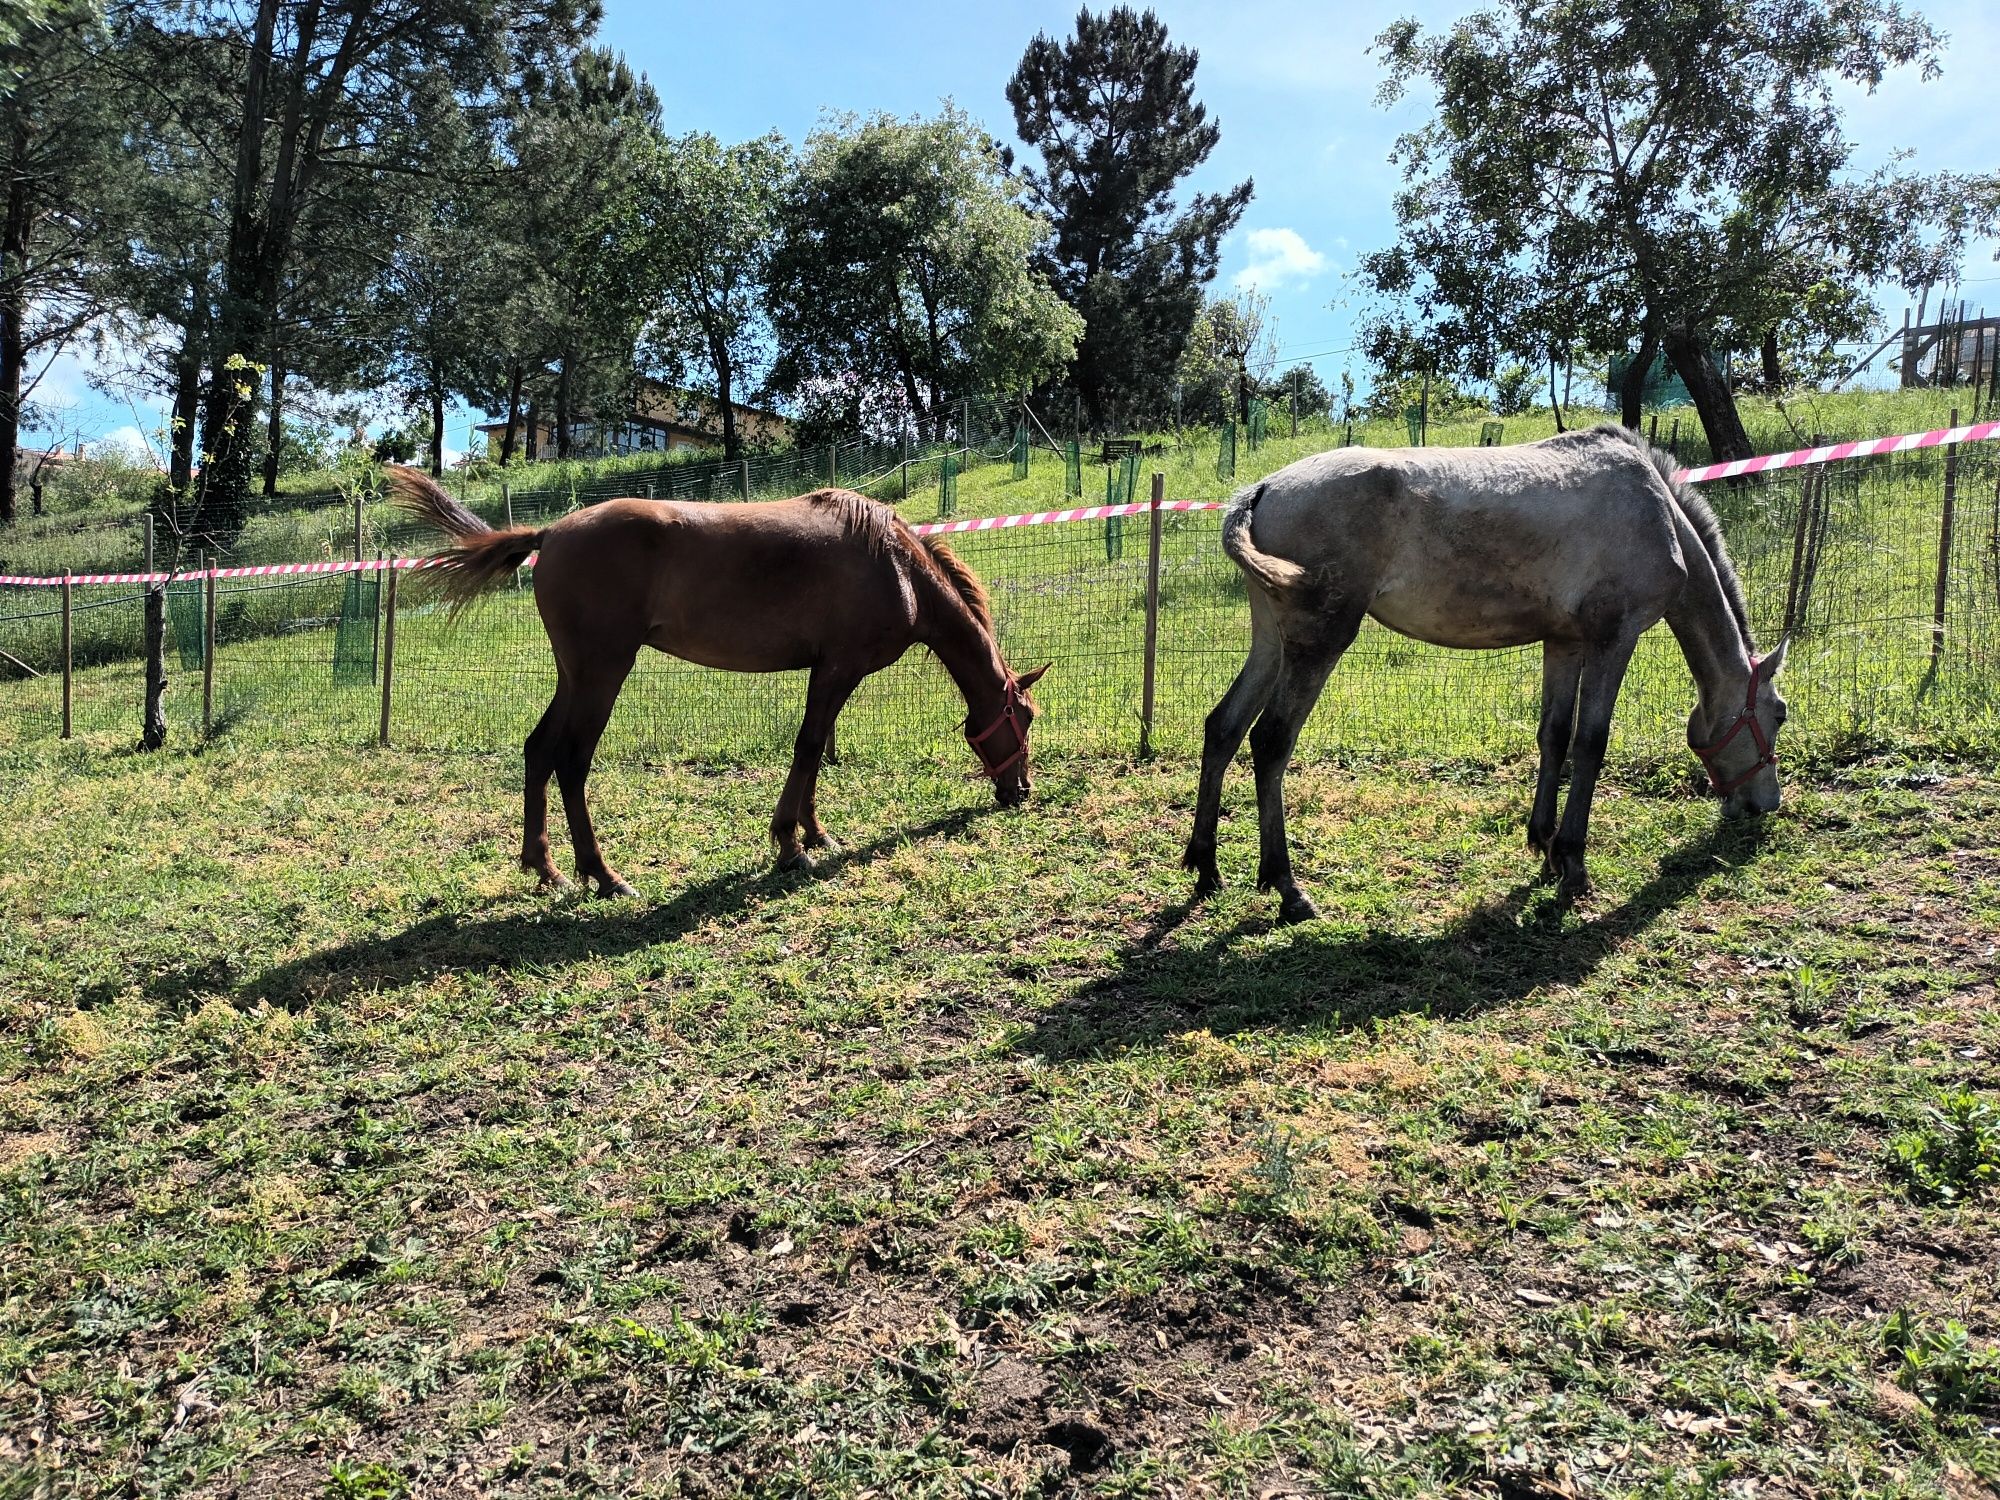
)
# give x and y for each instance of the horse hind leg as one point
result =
(593, 694)
(1222, 735)
(1272, 739)
(539, 757)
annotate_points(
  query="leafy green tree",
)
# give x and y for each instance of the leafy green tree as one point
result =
(902, 251)
(1658, 179)
(61, 178)
(581, 148)
(711, 215)
(324, 95)
(1301, 384)
(1111, 114)
(1231, 337)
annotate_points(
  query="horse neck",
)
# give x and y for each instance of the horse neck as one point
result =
(1717, 651)
(965, 647)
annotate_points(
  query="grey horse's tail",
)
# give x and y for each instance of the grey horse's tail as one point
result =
(1275, 573)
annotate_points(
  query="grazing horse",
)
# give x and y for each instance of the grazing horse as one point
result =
(832, 583)
(1581, 542)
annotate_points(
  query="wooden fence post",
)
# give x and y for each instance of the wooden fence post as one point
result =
(743, 472)
(69, 672)
(388, 658)
(208, 649)
(1942, 593)
(832, 466)
(1152, 616)
(357, 523)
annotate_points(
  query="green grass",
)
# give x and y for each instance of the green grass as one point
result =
(335, 1161)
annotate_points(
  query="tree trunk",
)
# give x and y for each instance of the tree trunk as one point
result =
(13, 334)
(534, 432)
(1555, 402)
(274, 432)
(13, 355)
(513, 416)
(732, 443)
(224, 480)
(187, 411)
(1774, 370)
(562, 408)
(1687, 351)
(1632, 386)
(437, 421)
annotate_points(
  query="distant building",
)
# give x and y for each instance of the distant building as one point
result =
(663, 419)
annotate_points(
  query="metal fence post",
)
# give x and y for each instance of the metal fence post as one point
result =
(357, 523)
(1152, 616)
(388, 659)
(208, 649)
(69, 672)
(1945, 521)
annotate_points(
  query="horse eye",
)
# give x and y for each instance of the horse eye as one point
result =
(1783, 712)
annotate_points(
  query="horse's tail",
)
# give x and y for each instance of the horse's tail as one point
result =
(479, 556)
(1275, 573)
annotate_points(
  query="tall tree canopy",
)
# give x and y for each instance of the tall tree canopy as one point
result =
(1111, 114)
(324, 94)
(903, 252)
(1630, 176)
(712, 213)
(61, 190)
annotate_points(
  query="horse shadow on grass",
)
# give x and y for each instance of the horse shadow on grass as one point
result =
(564, 931)
(1339, 976)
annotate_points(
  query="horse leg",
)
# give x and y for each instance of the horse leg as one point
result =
(592, 695)
(1603, 672)
(1562, 665)
(539, 753)
(826, 695)
(1303, 678)
(1221, 736)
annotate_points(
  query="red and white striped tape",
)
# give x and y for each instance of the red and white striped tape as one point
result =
(1050, 517)
(1978, 432)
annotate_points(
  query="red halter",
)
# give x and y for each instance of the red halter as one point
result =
(1766, 755)
(1009, 716)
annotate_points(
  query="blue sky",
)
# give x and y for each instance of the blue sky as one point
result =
(1290, 83)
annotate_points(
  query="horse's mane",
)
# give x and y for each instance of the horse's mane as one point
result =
(1700, 516)
(878, 524)
(970, 589)
(859, 516)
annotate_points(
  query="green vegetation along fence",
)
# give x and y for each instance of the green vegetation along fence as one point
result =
(1855, 554)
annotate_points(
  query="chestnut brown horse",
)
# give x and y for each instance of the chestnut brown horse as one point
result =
(832, 583)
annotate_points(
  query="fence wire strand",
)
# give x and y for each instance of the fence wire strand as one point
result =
(1860, 655)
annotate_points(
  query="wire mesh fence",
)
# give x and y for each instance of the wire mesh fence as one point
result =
(1849, 553)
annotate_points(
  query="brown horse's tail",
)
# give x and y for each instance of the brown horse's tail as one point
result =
(1275, 573)
(479, 557)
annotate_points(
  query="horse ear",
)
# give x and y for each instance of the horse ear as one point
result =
(1028, 679)
(1773, 664)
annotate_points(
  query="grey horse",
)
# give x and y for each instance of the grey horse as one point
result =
(1581, 542)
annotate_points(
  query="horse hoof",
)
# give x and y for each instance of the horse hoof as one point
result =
(1206, 884)
(795, 861)
(551, 880)
(824, 844)
(1296, 907)
(613, 888)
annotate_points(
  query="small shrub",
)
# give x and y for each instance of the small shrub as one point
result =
(1940, 1364)
(1955, 1152)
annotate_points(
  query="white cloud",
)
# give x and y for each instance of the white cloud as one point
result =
(1278, 257)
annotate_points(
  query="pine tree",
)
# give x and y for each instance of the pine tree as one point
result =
(1111, 113)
